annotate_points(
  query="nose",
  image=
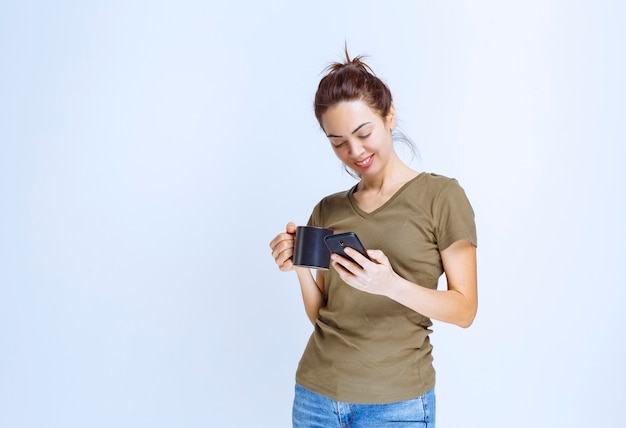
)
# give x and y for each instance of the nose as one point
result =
(356, 148)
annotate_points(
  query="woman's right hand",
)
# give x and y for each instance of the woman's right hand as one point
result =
(282, 248)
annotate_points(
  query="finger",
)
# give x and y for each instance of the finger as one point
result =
(282, 252)
(343, 272)
(357, 256)
(275, 241)
(349, 277)
(286, 266)
(280, 238)
(290, 229)
(345, 264)
(378, 256)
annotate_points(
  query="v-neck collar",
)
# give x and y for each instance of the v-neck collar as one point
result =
(366, 214)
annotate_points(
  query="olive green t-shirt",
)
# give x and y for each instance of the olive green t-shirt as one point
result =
(368, 348)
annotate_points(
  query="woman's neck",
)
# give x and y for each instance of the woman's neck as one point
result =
(389, 180)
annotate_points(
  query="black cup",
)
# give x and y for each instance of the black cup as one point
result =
(310, 250)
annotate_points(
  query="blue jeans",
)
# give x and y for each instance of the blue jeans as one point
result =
(312, 410)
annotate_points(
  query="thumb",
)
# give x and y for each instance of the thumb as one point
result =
(378, 256)
(291, 227)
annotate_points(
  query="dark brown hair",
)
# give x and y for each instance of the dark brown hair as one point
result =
(354, 80)
(349, 81)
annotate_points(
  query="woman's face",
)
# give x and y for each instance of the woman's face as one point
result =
(360, 137)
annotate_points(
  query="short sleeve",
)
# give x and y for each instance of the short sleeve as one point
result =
(315, 218)
(454, 216)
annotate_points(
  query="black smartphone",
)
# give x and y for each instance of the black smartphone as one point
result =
(337, 243)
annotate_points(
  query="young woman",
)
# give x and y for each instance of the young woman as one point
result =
(368, 361)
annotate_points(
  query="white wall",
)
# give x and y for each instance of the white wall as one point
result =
(149, 151)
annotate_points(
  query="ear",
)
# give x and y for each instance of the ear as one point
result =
(391, 117)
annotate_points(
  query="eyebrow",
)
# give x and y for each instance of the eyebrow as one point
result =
(353, 132)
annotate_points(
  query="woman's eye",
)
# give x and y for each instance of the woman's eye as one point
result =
(363, 137)
(338, 145)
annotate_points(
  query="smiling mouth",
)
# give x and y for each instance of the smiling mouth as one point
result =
(365, 162)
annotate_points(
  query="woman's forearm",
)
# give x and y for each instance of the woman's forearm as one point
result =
(312, 296)
(449, 306)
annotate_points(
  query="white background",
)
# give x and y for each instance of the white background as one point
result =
(149, 151)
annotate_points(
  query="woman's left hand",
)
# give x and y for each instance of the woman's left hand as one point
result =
(374, 276)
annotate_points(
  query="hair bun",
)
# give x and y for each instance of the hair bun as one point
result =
(351, 80)
(350, 63)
